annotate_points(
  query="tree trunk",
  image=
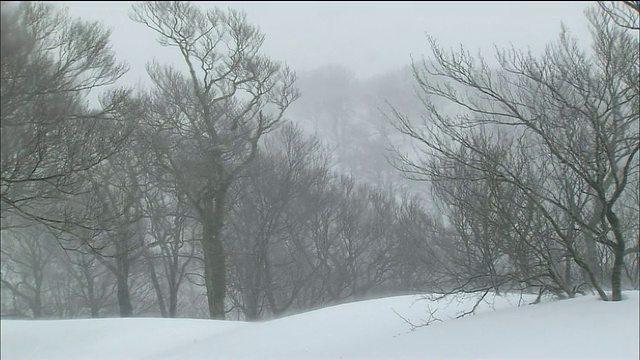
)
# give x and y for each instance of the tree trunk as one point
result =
(219, 276)
(173, 303)
(95, 310)
(37, 305)
(636, 274)
(618, 253)
(214, 270)
(124, 300)
(251, 309)
(93, 304)
(268, 291)
(616, 273)
(214, 257)
(173, 279)
(568, 279)
(591, 255)
(38, 275)
(156, 286)
(250, 290)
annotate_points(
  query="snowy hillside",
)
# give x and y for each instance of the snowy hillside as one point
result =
(582, 328)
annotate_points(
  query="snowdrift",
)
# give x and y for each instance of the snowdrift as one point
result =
(503, 327)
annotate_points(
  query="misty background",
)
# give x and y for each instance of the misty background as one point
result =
(348, 156)
(369, 39)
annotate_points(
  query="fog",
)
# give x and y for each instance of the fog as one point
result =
(367, 37)
(209, 181)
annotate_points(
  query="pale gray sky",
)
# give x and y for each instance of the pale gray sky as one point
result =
(367, 37)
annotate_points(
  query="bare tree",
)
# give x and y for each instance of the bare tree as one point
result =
(216, 113)
(570, 119)
(116, 190)
(50, 130)
(93, 282)
(497, 239)
(173, 230)
(27, 258)
(404, 220)
(302, 236)
(624, 13)
(260, 227)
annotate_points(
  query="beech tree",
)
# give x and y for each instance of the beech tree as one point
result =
(51, 64)
(215, 113)
(561, 128)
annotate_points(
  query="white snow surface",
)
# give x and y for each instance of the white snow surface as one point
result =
(503, 327)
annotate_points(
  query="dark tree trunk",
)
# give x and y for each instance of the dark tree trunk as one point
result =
(174, 282)
(37, 305)
(251, 309)
(93, 305)
(219, 276)
(124, 300)
(251, 303)
(568, 279)
(173, 303)
(156, 286)
(214, 257)
(616, 273)
(95, 311)
(618, 256)
(38, 280)
(214, 271)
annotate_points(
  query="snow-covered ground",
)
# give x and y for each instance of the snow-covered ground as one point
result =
(582, 328)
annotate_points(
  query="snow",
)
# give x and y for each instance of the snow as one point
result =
(581, 328)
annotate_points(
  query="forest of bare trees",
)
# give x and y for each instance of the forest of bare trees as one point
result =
(233, 187)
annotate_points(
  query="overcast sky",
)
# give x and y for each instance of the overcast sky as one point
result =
(367, 37)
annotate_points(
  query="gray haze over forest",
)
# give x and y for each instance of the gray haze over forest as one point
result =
(368, 38)
(222, 176)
